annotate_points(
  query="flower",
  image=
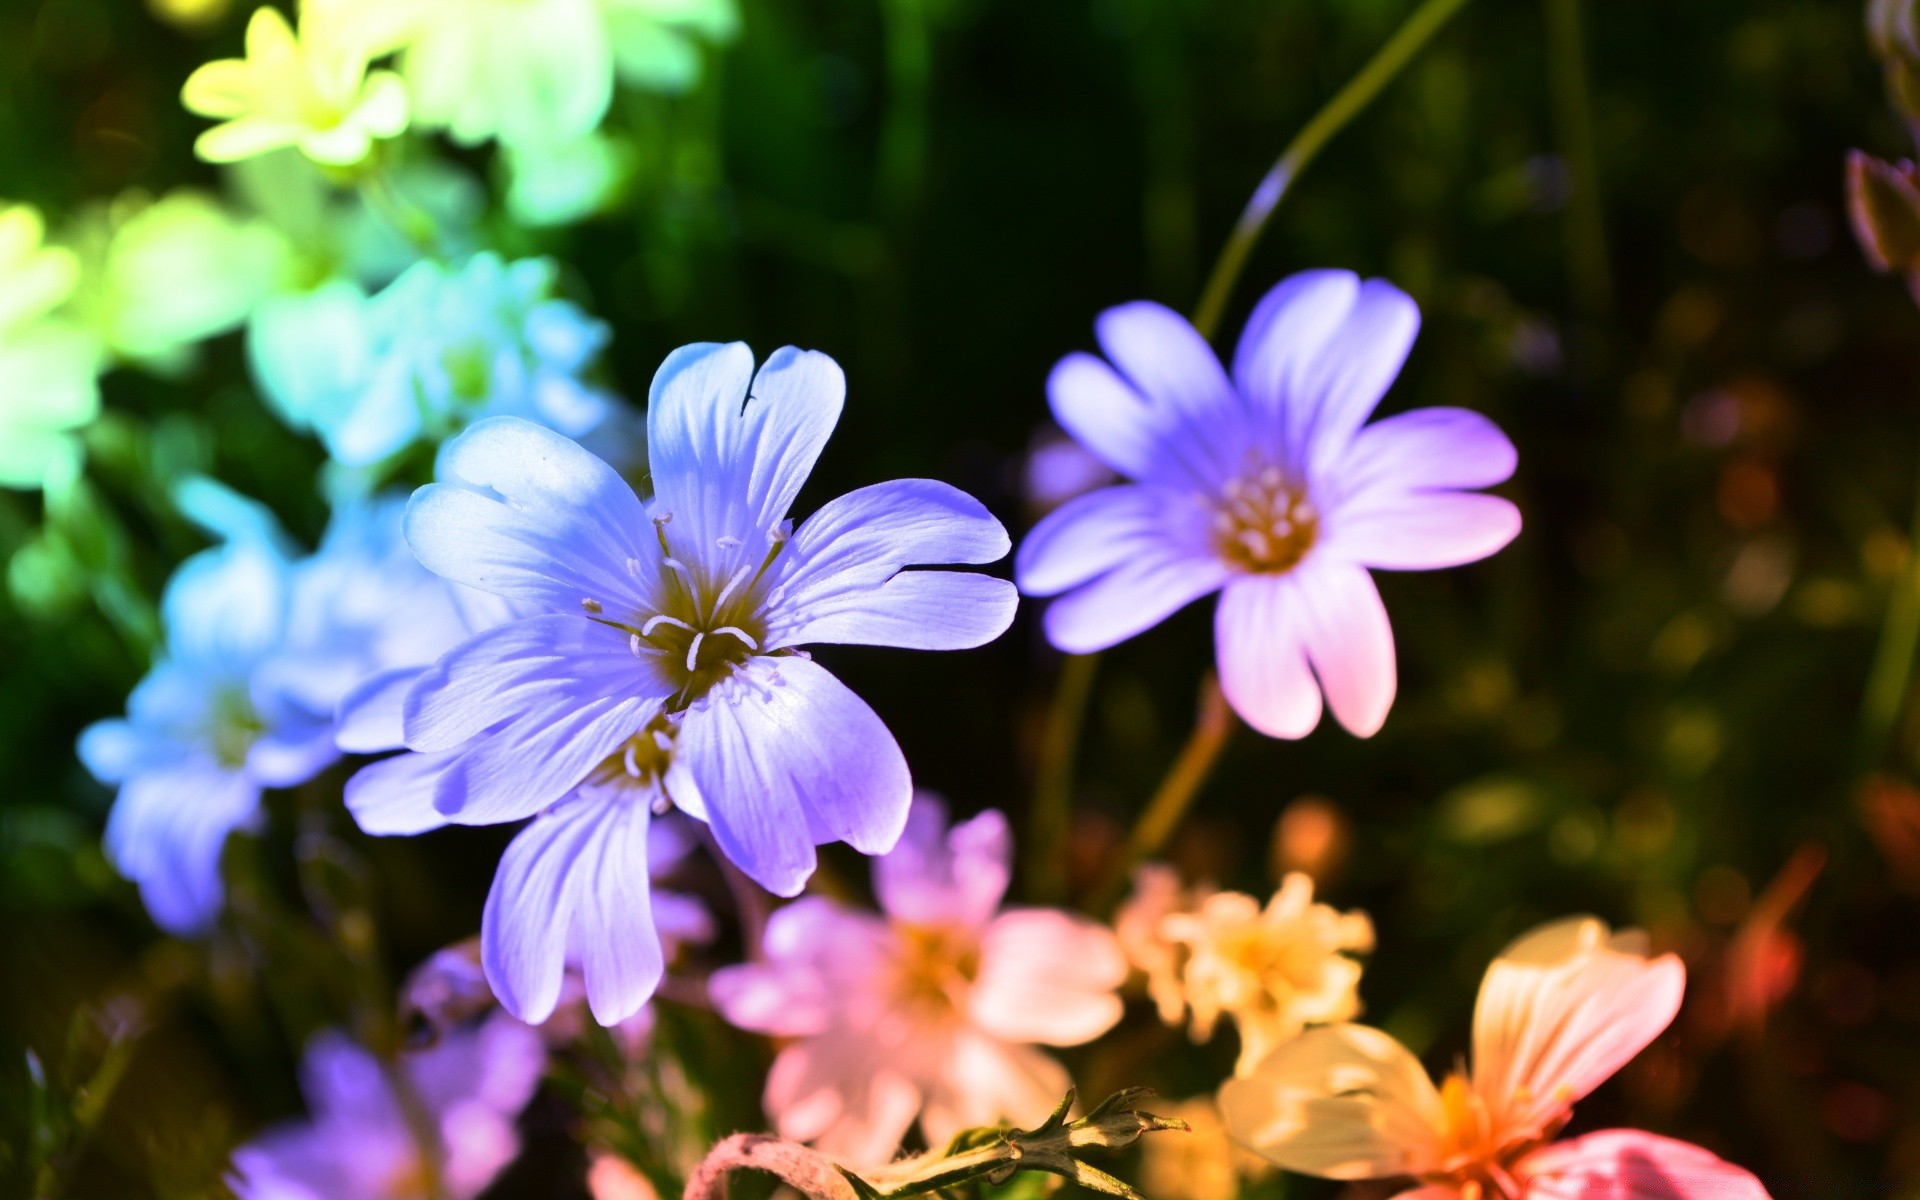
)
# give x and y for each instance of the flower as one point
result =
(657, 659)
(261, 649)
(1203, 1165)
(930, 1011)
(437, 349)
(48, 366)
(1274, 970)
(364, 1139)
(198, 744)
(161, 275)
(533, 73)
(313, 91)
(1268, 487)
(1560, 1010)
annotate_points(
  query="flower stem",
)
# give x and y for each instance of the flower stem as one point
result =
(1892, 669)
(1586, 237)
(1211, 728)
(1052, 817)
(1348, 103)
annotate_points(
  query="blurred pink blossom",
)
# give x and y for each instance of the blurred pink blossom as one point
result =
(930, 1011)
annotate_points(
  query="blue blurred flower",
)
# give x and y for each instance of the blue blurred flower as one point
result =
(447, 1135)
(261, 648)
(437, 349)
(660, 661)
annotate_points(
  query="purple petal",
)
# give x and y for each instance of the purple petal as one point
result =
(530, 516)
(1351, 373)
(782, 749)
(394, 797)
(166, 832)
(523, 930)
(227, 605)
(371, 717)
(1349, 642)
(695, 438)
(1140, 593)
(1419, 531)
(1168, 361)
(935, 876)
(1287, 335)
(1106, 415)
(521, 768)
(1425, 450)
(796, 402)
(533, 668)
(915, 610)
(1259, 646)
(846, 582)
(1092, 534)
(115, 750)
(341, 1078)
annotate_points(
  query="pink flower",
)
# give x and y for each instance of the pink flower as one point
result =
(930, 1012)
(1559, 1012)
(1268, 486)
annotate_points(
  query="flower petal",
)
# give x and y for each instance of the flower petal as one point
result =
(1352, 371)
(1349, 642)
(1168, 361)
(530, 669)
(394, 797)
(783, 753)
(1048, 976)
(1425, 450)
(984, 1081)
(1092, 534)
(1286, 335)
(1340, 1102)
(841, 1094)
(915, 610)
(1118, 426)
(1260, 650)
(812, 948)
(371, 717)
(1143, 591)
(935, 875)
(1559, 1012)
(522, 767)
(575, 879)
(1630, 1165)
(166, 832)
(529, 515)
(1419, 531)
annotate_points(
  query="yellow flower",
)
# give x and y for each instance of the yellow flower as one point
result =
(1274, 970)
(1203, 1165)
(47, 365)
(312, 91)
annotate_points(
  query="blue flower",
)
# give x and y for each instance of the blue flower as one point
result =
(661, 662)
(440, 1123)
(439, 348)
(261, 649)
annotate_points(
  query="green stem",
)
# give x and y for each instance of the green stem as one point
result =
(1211, 727)
(903, 138)
(1052, 818)
(1892, 670)
(1347, 104)
(1586, 237)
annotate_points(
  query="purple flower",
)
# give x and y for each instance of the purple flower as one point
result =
(447, 1136)
(656, 659)
(1270, 487)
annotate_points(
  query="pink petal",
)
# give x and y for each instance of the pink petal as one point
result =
(1048, 976)
(1625, 1164)
(1349, 642)
(934, 876)
(982, 1081)
(1391, 530)
(1559, 1012)
(838, 1093)
(1425, 450)
(1259, 646)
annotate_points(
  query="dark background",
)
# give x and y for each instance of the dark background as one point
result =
(1643, 708)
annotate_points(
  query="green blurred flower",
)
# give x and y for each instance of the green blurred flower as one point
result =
(541, 72)
(47, 366)
(560, 182)
(312, 91)
(160, 276)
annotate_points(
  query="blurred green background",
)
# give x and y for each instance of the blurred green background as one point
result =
(1648, 707)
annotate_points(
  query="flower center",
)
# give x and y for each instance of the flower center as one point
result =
(640, 764)
(234, 726)
(934, 965)
(1263, 522)
(708, 615)
(1472, 1156)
